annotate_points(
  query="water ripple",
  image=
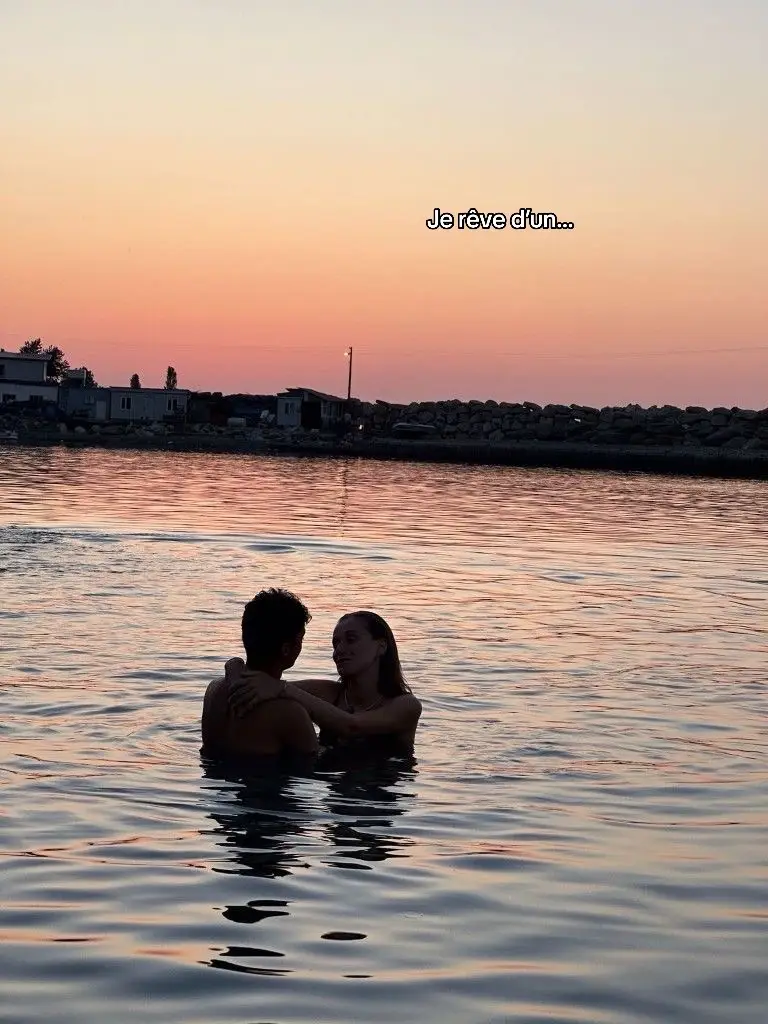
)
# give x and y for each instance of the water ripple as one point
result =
(580, 839)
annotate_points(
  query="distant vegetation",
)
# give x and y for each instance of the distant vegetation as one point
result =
(58, 367)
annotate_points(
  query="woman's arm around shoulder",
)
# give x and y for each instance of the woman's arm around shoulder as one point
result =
(326, 689)
(400, 715)
(245, 689)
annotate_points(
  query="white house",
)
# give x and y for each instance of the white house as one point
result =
(23, 378)
(304, 407)
(149, 404)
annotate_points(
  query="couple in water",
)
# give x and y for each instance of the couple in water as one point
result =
(252, 714)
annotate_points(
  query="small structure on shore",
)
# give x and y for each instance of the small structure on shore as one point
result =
(123, 405)
(82, 403)
(24, 378)
(309, 409)
(216, 409)
(148, 404)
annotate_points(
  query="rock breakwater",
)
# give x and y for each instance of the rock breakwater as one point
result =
(666, 439)
(500, 422)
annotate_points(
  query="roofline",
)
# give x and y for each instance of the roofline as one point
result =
(24, 355)
(154, 391)
(292, 393)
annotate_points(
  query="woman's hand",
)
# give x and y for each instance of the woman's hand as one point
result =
(249, 689)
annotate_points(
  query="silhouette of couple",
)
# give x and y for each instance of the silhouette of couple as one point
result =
(251, 714)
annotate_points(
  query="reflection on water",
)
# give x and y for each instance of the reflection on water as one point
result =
(364, 805)
(582, 839)
(260, 826)
(265, 817)
(270, 826)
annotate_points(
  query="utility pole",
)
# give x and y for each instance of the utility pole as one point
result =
(348, 354)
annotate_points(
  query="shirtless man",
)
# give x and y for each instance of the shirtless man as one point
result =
(273, 629)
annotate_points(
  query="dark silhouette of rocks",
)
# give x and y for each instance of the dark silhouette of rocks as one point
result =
(720, 441)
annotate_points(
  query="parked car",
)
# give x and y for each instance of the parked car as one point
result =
(414, 430)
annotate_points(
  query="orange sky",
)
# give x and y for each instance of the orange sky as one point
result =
(241, 189)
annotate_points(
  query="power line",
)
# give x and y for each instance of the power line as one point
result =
(649, 354)
(250, 347)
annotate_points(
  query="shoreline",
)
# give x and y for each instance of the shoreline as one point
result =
(666, 460)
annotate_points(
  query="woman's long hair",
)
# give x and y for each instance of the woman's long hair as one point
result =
(391, 680)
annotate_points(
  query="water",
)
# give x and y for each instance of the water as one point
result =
(581, 839)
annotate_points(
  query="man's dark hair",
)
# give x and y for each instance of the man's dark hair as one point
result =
(274, 617)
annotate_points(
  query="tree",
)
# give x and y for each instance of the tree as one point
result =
(57, 364)
(135, 382)
(90, 380)
(171, 380)
(33, 347)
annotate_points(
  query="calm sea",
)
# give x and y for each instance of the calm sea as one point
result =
(583, 835)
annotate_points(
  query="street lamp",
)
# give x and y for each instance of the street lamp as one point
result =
(348, 354)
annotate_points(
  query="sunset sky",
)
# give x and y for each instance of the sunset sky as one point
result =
(240, 189)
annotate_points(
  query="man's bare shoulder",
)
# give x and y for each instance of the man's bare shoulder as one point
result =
(213, 718)
(215, 686)
(215, 694)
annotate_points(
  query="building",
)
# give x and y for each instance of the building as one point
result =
(24, 378)
(309, 409)
(254, 409)
(85, 403)
(75, 378)
(150, 405)
(123, 405)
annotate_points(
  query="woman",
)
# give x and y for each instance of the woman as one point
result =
(370, 707)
